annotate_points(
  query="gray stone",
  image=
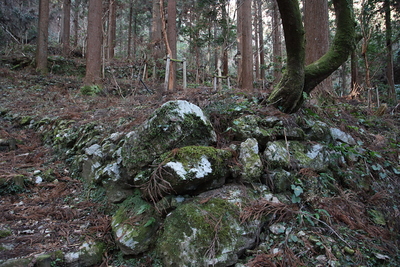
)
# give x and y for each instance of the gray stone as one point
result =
(252, 167)
(207, 231)
(134, 226)
(339, 135)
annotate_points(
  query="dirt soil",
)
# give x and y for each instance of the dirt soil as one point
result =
(56, 215)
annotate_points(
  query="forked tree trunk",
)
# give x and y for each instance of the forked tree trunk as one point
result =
(43, 36)
(298, 78)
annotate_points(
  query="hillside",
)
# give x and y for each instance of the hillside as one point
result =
(60, 212)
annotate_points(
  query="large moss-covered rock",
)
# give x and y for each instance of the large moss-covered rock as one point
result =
(175, 124)
(207, 231)
(134, 225)
(195, 169)
(252, 167)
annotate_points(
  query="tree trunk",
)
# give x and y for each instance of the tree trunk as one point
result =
(172, 35)
(261, 40)
(256, 42)
(157, 46)
(288, 95)
(389, 52)
(316, 25)
(66, 31)
(276, 42)
(130, 18)
(94, 42)
(225, 18)
(247, 48)
(43, 37)
(76, 22)
(112, 27)
(239, 40)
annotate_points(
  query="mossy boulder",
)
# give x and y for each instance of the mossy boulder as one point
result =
(250, 160)
(134, 225)
(88, 254)
(175, 124)
(207, 231)
(195, 169)
(253, 126)
(290, 154)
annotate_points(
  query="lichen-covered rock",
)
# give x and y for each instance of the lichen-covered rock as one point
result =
(252, 167)
(281, 154)
(277, 155)
(339, 135)
(88, 254)
(281, 180)
(319, 131)
(253, 126)
(195, 169)
(175, 124)
(207, 231)
(134, 225)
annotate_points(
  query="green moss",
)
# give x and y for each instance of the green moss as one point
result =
(204, 222)
(5, 233)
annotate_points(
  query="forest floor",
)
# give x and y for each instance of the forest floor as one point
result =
(56, 215)
(60, 215)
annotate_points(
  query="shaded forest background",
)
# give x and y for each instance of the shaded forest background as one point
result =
(208, 37)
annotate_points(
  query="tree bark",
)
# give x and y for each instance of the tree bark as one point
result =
(157, 46)
(43, 37)
(112, 29)
(389, 51)
(261, 40)
(247, 48)
(288, 95)
(276, 42)
(130, 18)
(66, 31)
(94, 42)
(76, 22)
(316, 25)
(171, 36)
(239, 40)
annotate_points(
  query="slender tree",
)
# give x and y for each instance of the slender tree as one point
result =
(261, 39)
(171, 37)
(43, 37)
(112, 28)
(76, 10)
(94, 42)
(157, 45)
(66, 30)
(247, 48)
(389, 50)
(276, 42)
